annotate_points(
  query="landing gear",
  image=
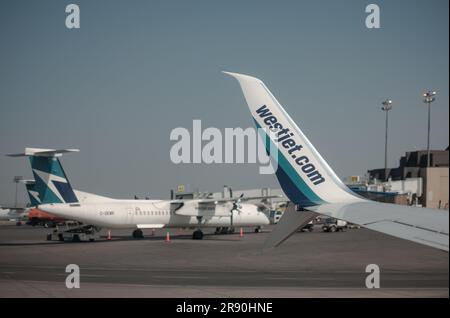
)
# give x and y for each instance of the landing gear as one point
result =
(258, 229)
(138, 234)
(197, 235)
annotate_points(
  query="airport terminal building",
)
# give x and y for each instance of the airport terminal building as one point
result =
(431, 183)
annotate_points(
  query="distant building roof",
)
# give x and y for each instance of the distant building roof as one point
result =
(411, 163)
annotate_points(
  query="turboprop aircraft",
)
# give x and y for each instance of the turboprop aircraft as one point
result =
(58, 198)
(311, 184)
(15, 213)
(9, 214)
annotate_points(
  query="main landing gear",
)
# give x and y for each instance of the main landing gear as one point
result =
(138, 234)
(197, 235)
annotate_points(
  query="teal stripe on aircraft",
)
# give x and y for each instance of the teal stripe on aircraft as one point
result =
(48, 165)
(46, 195)
(311, 197)
(30, 189)
(45, 164)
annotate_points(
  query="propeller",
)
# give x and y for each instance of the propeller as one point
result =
(237, 204)
(236, 207)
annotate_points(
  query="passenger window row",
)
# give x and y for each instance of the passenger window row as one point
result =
(140, 212)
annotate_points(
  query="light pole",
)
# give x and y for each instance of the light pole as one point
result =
(387, 106)
(428, 98)
(16, 180)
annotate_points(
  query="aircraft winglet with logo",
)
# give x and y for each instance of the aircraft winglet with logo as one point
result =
(310, 183)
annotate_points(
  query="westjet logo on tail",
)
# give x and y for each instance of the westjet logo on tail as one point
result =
(283, 137)
(51, 181)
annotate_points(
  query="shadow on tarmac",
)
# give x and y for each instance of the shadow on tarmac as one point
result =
(125, 238)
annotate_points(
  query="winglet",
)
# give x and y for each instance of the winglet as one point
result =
(240, 77)
(304, 175)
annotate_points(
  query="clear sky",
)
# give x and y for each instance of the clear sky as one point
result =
(137, 69)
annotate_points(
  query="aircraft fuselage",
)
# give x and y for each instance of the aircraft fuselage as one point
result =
(131, 213)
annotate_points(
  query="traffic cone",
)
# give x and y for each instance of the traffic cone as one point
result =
(109, 238)
(241, 233)
(168, 237)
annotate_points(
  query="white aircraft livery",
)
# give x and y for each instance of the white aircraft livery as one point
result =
(16, 213)
(12, 213)
(58, 198)
(7, 214)
(310, 183)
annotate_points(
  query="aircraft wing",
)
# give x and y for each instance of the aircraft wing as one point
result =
(310, 183)
(425, 226)
(225, 200)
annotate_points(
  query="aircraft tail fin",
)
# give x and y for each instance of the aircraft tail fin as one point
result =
(52, 183)
(32, 192)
